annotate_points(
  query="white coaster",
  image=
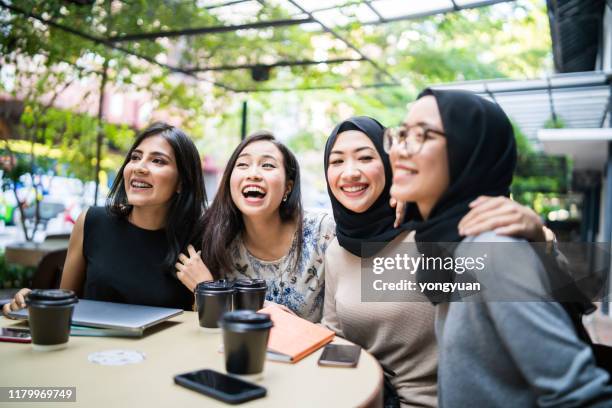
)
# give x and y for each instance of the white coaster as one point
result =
(116, 357)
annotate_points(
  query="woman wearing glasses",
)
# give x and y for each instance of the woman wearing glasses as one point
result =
(492, 353)
(399, 334)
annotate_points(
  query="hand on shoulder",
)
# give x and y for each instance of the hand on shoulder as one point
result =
(504, 217)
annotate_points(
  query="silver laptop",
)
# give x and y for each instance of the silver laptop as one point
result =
(119, 318)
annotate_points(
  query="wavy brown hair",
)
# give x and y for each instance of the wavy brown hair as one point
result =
(223, 221)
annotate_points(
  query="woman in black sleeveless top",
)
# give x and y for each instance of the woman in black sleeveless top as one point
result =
(125, 252)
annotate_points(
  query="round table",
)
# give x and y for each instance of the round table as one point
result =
(174, 347)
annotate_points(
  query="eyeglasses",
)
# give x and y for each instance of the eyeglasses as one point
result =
(411, 137)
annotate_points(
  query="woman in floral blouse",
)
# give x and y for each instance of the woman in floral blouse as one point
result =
(256, 228)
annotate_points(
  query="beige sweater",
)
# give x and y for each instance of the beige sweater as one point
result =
(399, 334)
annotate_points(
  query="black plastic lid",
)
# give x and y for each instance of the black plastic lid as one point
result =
(221, 285)
(51, 297)
(245, 320)
(250, 284)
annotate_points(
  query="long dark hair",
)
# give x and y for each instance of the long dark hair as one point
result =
(223, 221)
(183, 224)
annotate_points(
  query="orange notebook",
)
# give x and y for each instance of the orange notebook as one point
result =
(293, 338)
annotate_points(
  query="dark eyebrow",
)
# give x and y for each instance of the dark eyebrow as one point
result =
(162, 154)
(269, 156)
(265, 156)
(357, 150)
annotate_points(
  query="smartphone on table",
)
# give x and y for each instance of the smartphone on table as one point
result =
(340, 355)
(15, 334)
(220, 386)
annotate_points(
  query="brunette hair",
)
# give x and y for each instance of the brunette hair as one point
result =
(223, 220)
(183, 224)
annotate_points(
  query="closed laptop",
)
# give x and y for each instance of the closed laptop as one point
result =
(132, 319)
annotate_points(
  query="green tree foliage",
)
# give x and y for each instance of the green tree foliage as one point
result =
(14, 276)
(538, 178)
(507, 40)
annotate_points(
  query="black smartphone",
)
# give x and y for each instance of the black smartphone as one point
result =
(340, 355)
(220, 386)
(15, 334)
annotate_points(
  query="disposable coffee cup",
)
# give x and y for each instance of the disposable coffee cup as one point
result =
(245, 340)
(50, 316)
(250, 294)
(213, 298)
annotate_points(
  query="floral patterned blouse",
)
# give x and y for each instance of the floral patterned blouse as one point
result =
(300, 289)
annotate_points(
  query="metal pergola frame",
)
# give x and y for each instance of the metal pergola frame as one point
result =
(276, 64)
(209, 30)
(382, 20)
(551, 90)
(112, 42)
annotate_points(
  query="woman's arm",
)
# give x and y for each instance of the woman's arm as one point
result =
(559, 367)
(538, 333)
(330, 318)
(73, 275)
(505, 217)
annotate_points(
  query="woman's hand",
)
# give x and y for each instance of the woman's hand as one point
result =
(17, 303)
(505, 217)
(400, 211)
(191, 269)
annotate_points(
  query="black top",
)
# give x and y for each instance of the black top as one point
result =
(124, 264)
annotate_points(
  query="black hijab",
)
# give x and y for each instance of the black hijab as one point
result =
(481, 160)
(481, 153)
(376, 223)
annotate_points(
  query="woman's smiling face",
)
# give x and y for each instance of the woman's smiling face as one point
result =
(422, 178)
(355, 173)
(151, 176)
(258, 182)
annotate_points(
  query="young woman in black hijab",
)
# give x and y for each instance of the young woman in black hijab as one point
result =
(453, 147)
(399, 334)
